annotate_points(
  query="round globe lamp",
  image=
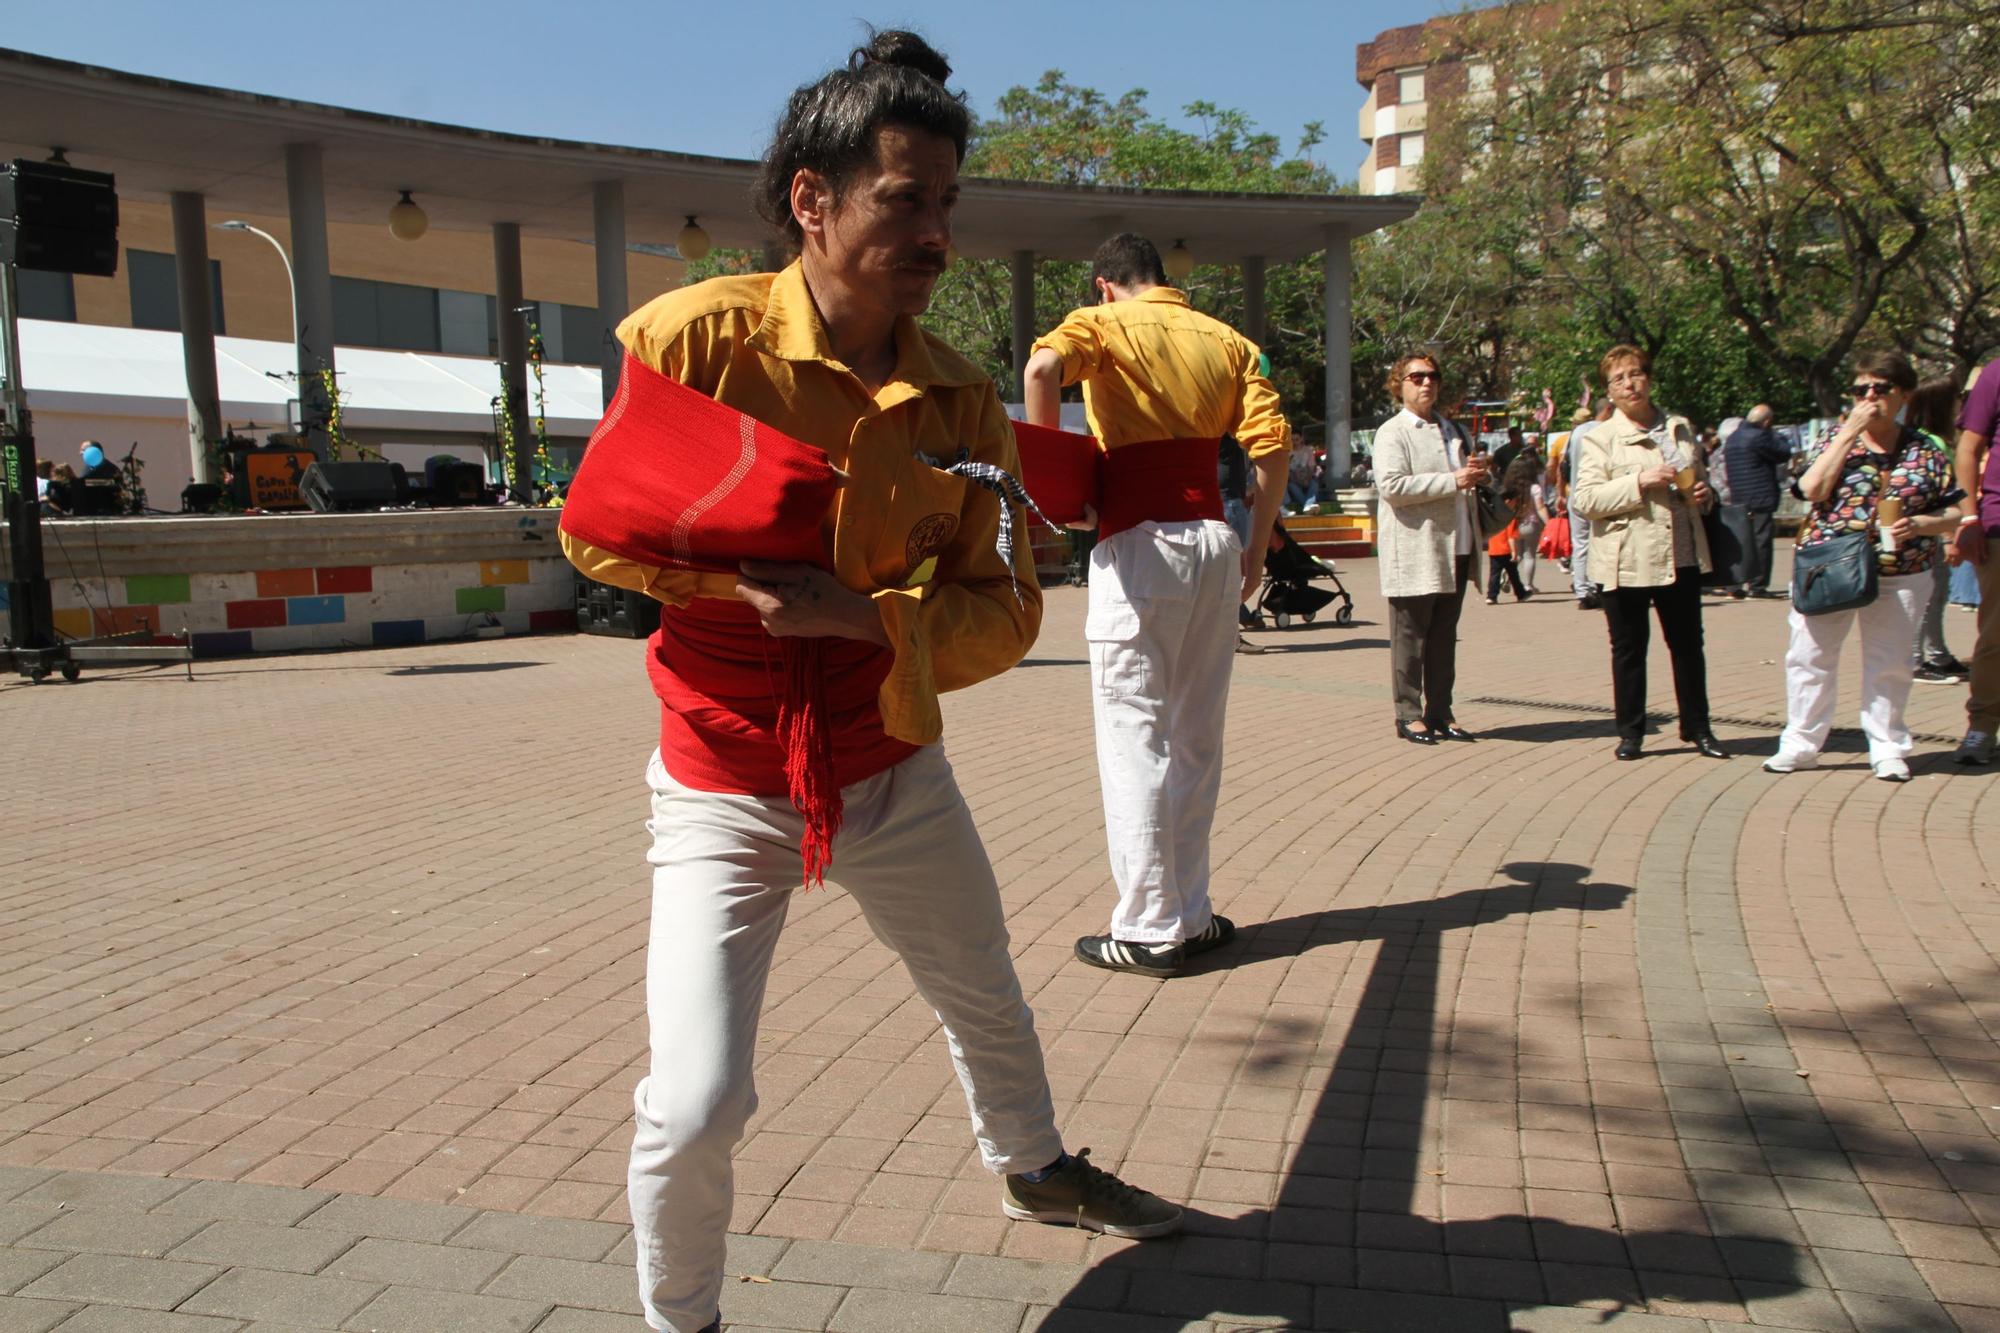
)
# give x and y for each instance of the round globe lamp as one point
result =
(407, 221)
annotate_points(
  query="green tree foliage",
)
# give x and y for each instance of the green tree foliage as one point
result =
(1060, 132)
(1778, 170)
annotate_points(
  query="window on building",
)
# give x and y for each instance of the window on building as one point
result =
(47, 296)
(581, 338)
(1479, 77)
(156, 294)
(1409, 150)
(465, 324)
(1409, 86)
(397, 315)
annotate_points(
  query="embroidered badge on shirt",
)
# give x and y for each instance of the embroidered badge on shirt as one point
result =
(927, 537)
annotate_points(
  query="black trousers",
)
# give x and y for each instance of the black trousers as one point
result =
(1679, 607)
(1503, 565)
(1423, 650)
(1757, 551)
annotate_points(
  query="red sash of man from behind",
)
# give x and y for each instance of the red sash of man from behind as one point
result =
(1157, 480)
(673, 478)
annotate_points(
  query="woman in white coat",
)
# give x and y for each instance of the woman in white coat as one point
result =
(1427, 527)
(1642, 482)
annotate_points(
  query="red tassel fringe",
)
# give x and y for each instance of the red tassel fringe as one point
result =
(808, 746)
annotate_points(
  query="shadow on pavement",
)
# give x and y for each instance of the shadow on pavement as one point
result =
(1277, 642)
(1343, 1248)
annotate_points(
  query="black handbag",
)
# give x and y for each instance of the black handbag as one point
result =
(1494, 512)
(1838, 574)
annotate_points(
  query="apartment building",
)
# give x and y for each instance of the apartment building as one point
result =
(1407, 72)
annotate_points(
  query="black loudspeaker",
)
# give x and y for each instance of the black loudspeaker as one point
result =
(200, 497)
(57, 219)
(95, 497)
(342, 487)
(457, 483)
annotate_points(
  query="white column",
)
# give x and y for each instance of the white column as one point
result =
(191, 269)
(312, 276)
(1339, 349)
(613, 301)
(1023, 311)
(1253, 299)
(513, 347)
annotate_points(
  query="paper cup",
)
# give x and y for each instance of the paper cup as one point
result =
(1888, 512)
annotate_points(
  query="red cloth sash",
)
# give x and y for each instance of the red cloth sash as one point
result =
(720, 679)
(1060, 470)
(673, 478)
(1160, 481)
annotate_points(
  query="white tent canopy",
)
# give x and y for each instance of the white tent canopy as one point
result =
(91, 370)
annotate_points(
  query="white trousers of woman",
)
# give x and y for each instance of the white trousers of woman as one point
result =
(1811, 678)
(1162, 632)
(724, 870)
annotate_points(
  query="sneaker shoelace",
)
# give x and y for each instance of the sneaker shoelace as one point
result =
(1093, 1181)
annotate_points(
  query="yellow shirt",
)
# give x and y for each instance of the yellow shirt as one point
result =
(1155, 368)
(916, 539)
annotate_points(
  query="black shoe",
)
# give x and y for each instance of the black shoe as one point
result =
(1451, 731)
(1706, 744)
(1420, 737)
(1739, 594)
(1146, 960)
(1927, 674)
(1947, 664)
(1591, 602)
(1629, 748)
(1220, 931)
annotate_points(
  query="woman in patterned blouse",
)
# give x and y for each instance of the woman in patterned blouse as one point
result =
(1872, 454)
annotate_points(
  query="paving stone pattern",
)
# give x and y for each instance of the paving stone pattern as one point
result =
(321, 1009)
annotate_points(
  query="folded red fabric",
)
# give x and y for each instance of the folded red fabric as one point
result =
(1060, 470)
(673, 478)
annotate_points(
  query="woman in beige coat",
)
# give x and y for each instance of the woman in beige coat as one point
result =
(1427, 527)
(1643, 485)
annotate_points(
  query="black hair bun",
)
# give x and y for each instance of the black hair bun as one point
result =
(896, 47)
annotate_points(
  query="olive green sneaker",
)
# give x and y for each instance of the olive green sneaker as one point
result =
(1082, 1194)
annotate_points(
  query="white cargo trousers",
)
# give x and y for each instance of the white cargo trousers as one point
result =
(1162, 635)
(725, 867)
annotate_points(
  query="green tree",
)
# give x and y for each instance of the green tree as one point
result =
(1064, 133)
(1795, 155)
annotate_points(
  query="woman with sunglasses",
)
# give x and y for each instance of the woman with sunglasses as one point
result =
(1873, 455)
(1643, 484)
(1425, 474)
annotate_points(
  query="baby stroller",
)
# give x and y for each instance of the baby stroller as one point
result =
(1288, 592)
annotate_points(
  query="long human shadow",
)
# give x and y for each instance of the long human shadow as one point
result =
(1344, 1247)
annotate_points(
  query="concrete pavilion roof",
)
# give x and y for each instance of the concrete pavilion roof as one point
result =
(158, 136)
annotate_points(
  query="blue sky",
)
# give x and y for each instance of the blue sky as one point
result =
(711, 77)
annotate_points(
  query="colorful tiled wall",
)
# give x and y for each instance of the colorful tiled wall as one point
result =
(287, 610)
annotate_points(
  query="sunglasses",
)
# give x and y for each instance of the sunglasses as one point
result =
(1422, 376)
(1870, 390)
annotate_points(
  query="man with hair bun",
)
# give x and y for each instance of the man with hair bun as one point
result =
(1162, 384)
(911, 598)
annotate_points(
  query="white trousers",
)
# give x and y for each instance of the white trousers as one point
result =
(724, 870)
(1811, 681)
(1162, 633)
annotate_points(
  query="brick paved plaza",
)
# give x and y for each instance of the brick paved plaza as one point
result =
(320, 1009)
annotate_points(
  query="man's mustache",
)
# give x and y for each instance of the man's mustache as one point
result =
(925, 261)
